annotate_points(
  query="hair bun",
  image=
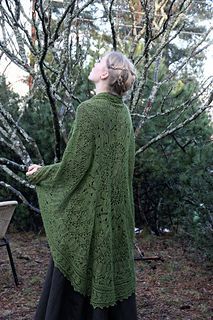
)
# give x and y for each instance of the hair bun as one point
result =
(122, 73)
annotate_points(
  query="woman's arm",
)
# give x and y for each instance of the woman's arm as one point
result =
(77, 156)
(42, 172)
(131, 154)
(131, 173)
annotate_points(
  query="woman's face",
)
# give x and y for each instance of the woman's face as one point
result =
(99, 71)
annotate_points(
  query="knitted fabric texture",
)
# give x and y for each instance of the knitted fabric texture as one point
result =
(86, 202)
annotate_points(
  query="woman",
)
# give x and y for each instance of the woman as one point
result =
(87, 207)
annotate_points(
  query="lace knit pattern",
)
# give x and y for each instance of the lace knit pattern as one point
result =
(86, 202)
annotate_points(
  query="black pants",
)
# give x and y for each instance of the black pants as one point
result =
(59, 301)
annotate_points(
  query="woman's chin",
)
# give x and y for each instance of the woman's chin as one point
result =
(90, 77)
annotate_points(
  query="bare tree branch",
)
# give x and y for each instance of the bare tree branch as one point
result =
(19, 195)
(114, 42)
(16, 177)
(165, 133)
(14, 165)
(9, 123)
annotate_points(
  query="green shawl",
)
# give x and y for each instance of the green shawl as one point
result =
(86, 202)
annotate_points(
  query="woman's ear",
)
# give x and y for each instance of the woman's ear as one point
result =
(104, 75)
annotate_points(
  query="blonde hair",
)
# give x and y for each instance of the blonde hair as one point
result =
(122, 73)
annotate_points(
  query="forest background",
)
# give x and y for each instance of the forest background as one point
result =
(170, 103)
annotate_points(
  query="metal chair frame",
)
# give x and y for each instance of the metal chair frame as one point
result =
(3, 240)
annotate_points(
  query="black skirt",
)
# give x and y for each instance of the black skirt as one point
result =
(59, 301)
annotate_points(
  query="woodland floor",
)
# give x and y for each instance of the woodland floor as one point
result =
(177, 288)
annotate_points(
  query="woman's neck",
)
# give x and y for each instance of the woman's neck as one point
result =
(100, 87)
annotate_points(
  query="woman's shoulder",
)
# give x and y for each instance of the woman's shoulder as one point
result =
(86, 110)
(86, 104)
